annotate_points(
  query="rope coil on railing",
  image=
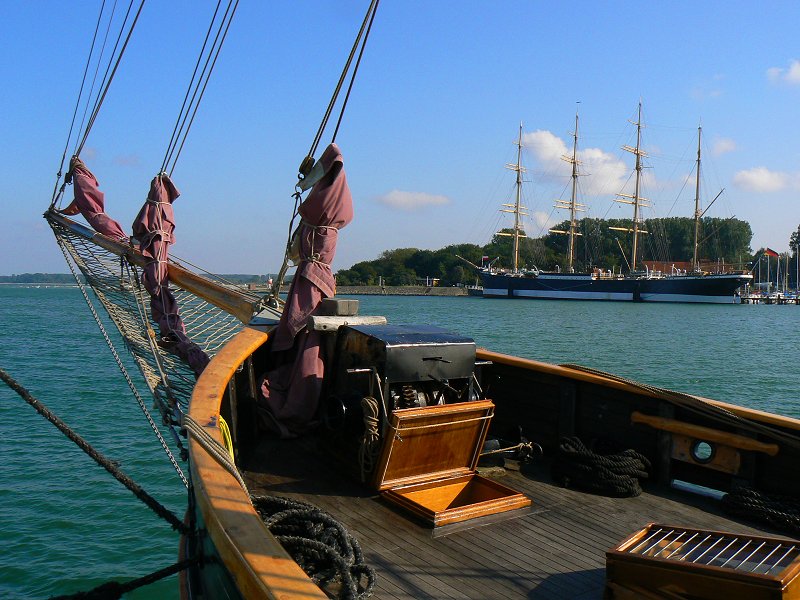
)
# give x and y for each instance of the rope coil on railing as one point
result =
(370, 442)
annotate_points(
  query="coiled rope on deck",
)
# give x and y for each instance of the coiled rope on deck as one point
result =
(321, 545)
(608, 474)
(782, 512)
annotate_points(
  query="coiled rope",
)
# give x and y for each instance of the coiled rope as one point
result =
(370, 442)
(607, 474)
(782, 512)
(321, 545)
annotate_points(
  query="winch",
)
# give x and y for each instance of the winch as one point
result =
(383, 368)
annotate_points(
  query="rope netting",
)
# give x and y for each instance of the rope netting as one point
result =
(116, 285)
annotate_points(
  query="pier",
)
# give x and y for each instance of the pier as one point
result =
(773, 299)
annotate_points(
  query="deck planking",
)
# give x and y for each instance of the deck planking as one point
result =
(555, 549)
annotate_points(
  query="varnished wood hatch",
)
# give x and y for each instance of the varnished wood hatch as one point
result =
(427, 464)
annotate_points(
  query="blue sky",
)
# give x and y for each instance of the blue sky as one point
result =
(431, 122)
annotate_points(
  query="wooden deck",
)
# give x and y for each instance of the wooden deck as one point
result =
(555, 549)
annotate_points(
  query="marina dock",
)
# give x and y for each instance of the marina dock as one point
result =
(773, 299)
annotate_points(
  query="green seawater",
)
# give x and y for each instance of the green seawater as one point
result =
(67, 526)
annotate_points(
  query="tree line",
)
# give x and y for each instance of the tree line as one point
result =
(721, 241)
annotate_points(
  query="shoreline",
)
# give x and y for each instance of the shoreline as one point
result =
(385, 290)
(399, 290)
(345, 290)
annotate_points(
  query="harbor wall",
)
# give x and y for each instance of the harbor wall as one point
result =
(385, 290)
(399, 290)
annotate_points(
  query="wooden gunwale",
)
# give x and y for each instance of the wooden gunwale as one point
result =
(255, 560)
(568, 373)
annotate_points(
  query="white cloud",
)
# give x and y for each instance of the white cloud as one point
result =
(789, 75)
(129, 160)
(761, 179)
(605, 172)
(708, 89)
(723, 146)
(545, 146)
(411, 200)
(703, 93)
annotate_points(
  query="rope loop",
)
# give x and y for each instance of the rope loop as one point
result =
(782, 512)
(602, 472)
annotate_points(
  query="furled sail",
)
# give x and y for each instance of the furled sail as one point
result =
(291, 391)
(154, 228)
(90, 201)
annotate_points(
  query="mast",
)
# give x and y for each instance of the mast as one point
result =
(636, 200)
(517, 209)
(573, 206)
(697, 212)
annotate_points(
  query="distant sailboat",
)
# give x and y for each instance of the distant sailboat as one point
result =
(637, 286)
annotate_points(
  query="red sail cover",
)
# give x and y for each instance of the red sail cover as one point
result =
(90, 201)
(291, 391)
(154, 228)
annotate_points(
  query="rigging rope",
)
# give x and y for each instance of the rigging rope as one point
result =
(101, 460)
(273, 297)
(699, 406)
(99, 62)
(105, 84)
(355, 71)
(366, 25)
(107, 79)
(181, 130)
(112, 590)
(77, 104)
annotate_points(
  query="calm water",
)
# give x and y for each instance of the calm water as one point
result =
(68, 526)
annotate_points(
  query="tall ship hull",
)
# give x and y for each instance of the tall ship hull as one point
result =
(713, 289)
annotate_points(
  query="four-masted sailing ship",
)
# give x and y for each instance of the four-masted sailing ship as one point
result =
(601, 284)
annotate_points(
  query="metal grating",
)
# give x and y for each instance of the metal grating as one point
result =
(714, 549)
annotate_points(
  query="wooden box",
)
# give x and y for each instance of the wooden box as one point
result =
(428, 460)
(677, 562)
